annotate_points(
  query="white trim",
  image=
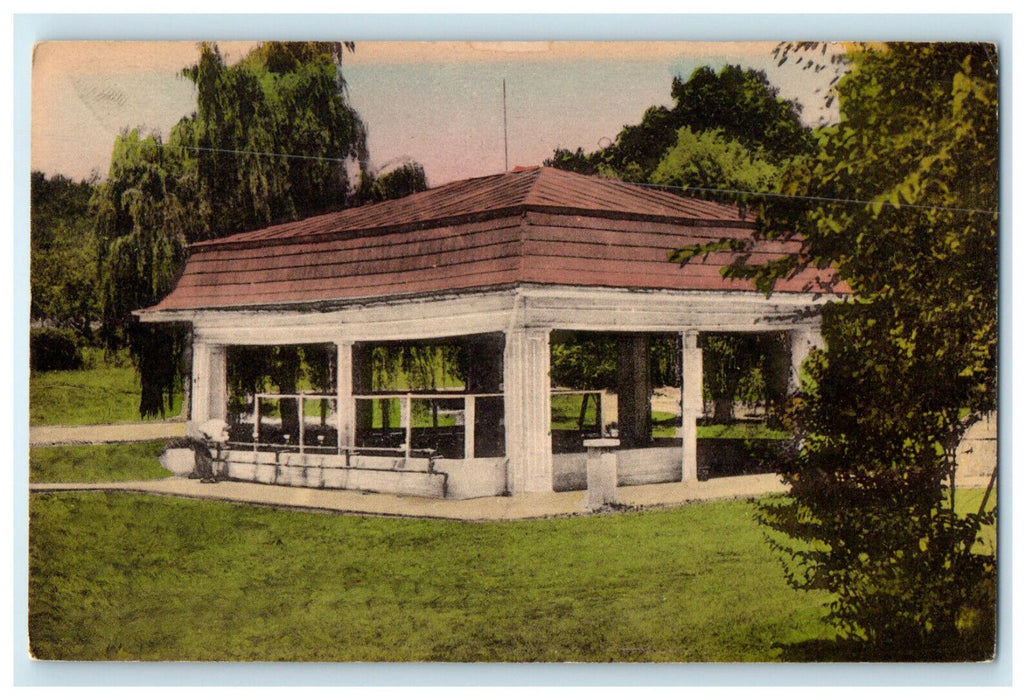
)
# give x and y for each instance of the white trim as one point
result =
(534, 306)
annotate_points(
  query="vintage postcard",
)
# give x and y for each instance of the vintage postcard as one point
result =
(514, 352)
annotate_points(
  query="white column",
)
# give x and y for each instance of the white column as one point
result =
(801, 341)
(526, 389)
(219, 396)
(345, 402)
(208, 383)
(469, 426)
(692, 401)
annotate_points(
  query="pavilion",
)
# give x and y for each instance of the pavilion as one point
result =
(496, 267)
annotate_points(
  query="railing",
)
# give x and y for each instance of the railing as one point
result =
(409, 400)
(457, 410)
(300, 398)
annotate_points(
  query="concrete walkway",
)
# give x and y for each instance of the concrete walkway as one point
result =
(520, 507)
(977, 454)
(40, 435)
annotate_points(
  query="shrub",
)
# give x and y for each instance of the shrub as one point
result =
(54, 349)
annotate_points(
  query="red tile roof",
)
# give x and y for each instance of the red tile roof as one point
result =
(536, 225)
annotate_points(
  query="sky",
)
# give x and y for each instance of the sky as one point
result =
(440, 104)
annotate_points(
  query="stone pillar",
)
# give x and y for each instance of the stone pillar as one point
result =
(219, 398)
(692, 401)
(208, 378)
(527, 410)
(801, 342)
(345, 402)
(602, 473)
(634, 410)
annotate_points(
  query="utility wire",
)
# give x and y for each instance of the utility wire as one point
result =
(672, 188)
(836, 200)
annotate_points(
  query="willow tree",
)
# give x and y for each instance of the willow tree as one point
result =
(272, 139)
(142, 212)
(273, 136)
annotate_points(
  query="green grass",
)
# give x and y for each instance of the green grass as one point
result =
(103, 393)
(119, 576)
(967, 501)
(566, 408)
(741, 431)
(96, 463)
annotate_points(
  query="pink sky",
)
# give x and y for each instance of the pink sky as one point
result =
(434, 102)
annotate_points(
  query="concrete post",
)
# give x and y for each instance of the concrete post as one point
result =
(199, 383)
(219, 400)
(602, 473)
(208, 379)
(469, 427)
(692, 401)
(345, 402)
(801, 342)
(527, 410)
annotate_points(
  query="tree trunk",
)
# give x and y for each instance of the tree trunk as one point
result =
(723, 410)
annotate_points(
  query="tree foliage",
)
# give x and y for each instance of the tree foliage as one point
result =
(901, 201)
(408, 178)
(742, 367)
(740, 104)
(272, 139)
(141, 215)
(709, 165)
(745, 106)
(63, 254)
(584, 361)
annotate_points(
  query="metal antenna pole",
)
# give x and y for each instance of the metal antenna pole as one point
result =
(505, 125)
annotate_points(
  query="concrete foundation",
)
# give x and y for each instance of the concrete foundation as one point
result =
(648, 465)
(446, 478)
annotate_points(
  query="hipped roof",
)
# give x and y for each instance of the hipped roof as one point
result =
(531, 225)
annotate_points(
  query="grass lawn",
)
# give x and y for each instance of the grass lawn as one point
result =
(96, 463)
(103, 393)
(967, 501)
(741, 430)
(120, 576)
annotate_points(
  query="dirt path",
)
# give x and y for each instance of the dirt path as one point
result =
(40, 435)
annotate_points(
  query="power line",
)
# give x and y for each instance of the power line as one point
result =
(256, 153)
(673, 188)
(811, 198)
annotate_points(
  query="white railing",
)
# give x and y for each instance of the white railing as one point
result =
(300, 398)
(406, 401)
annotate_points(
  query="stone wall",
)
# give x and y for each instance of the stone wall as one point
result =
(647, 465)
